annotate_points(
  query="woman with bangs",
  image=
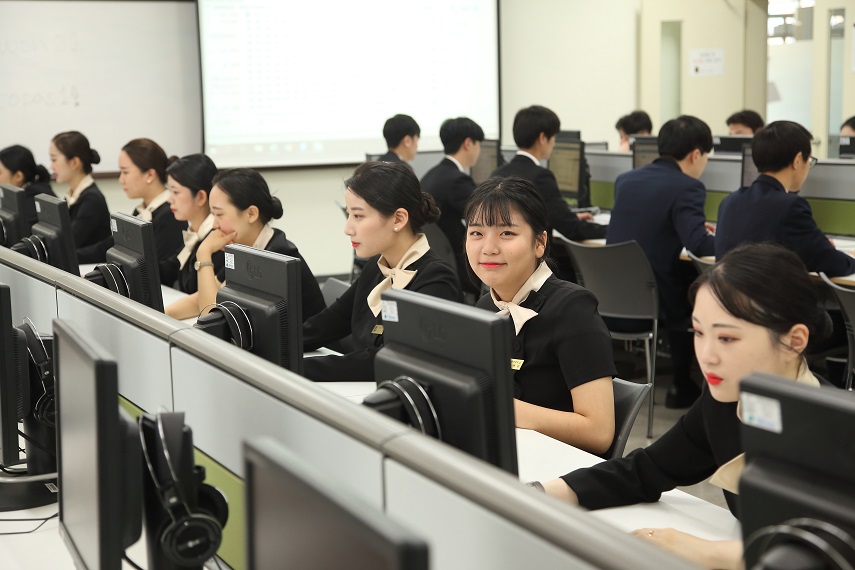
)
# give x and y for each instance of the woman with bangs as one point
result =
(562, 350)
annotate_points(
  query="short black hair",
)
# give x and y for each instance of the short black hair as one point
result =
(454, 132)
(531, 121)
(634, 123)
(17, 158)
(777, 145)
(246, 187)
(679, 137)
(747, 117)
(398, 127)
(850, 122)
(195, 172)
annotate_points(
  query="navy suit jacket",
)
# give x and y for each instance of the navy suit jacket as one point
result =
(560, 216)
(662, 209)
(765, 211)
(451, 189)
(390, 157)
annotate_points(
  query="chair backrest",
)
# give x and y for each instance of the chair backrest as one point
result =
(619, 275)
(440, 245)
(702, 265)
(846, 299)
(629, 397)
(332, 289)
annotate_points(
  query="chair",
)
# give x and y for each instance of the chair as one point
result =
(332, 289)
(629, 396)
(701, 264)
(620, 276)
(846, 299)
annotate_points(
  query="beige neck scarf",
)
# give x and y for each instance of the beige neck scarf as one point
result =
(144, 212)
(191, 238)
(73, 194)
(521, 315)
(397, 277)
(727, 476)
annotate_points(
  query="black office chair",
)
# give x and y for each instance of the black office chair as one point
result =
(332, 289)
(440, 245)
(629, 396)
(701, 264)
(623, 282)
(846, 299)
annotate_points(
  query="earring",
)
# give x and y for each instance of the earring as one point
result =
(396, 229)
(148, 181)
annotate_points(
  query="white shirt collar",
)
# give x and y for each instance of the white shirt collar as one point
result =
(528, 154)
(456, 163)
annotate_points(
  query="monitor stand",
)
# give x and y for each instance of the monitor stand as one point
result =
(17, 493)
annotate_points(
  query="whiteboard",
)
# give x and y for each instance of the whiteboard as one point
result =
(112, 70)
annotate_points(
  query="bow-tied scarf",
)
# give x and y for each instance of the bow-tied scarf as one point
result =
(521, 315)
(397, 277)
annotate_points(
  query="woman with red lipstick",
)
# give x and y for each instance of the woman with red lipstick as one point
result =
(755, 311)
(242, 207)
(563, 351)
(386, 208)
(189, 181)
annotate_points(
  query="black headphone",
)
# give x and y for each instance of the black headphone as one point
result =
(34, 247)
(110, 276)
(240, 327)
(187, 538)
(416, 403)
(3, 233)
(45, 407)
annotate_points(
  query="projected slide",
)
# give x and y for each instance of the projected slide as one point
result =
(290, 82)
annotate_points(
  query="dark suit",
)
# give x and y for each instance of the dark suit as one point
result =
(451, 189)
(765, 211)
(32, 190)
(390, 157)
(90, 225)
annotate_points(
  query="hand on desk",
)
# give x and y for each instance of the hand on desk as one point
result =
(710, 228)
(585, 216)
(706, 553)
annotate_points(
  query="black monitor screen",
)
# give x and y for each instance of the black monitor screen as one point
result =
(488, 161)
(294, 512)
(51, 241)
(460, 357)
(730, 144)
(263, 288)
(135, 254)
(800, 467)
(847, 147)
(644, 150)
(14, 380)
(16, 209)
(566, 164)
(99, 455)
(749, 169)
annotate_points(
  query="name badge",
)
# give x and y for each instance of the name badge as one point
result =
(516, 363)
(378, 329)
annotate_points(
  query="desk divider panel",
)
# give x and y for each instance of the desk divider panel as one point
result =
(475, 516)
(33, 289)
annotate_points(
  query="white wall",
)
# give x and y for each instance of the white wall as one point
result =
(789, 65)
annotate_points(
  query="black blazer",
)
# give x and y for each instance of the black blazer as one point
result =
(564, 346)
(350, 315)
(168, 241)
(390, 157)
(32, 190)
(765, 211)
(90, 225)
(451, 189)
(313, 300)
(560, 216)
(662, 209)
(187, 280)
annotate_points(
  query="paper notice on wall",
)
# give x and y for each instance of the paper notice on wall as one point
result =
(706, 62)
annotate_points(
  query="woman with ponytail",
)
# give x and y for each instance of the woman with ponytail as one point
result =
(71, 159)
(386, 208)
(18, 167)
(242, 207)
(755, 311)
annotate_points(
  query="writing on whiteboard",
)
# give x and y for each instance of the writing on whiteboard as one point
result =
(67, 96)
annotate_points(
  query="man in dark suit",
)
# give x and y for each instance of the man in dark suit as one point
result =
(771, 210)
(535, 129)
(451, 186)
(661, 206)
(402, 139)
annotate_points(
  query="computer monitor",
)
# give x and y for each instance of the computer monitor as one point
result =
(567, 164)
(796, 491)
(22, 391)
(131, 267)
(15, 211)
(293, 512)
(488, 161)
(454, 362)
(645, 149)
(260, 308)
(51, 240)
(847, 147)
(98, 450)
(730, 144)
(749, 169)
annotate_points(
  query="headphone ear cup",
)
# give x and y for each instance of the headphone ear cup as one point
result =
(45, 410)
(192, 540)
(212, 502)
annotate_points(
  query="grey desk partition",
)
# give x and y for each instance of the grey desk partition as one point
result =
(229, 396)
(32, 286)
(498, 523)
(136, 336)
